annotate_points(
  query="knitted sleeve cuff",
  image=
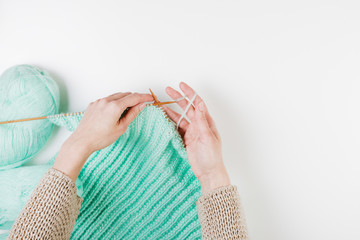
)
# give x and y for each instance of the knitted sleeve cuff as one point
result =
(221, 215)
(51, 211)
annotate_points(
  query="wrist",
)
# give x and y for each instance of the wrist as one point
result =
(214, 180)
(80, 142)
(72, 157)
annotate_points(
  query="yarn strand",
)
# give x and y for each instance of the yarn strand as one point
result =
(186, 109)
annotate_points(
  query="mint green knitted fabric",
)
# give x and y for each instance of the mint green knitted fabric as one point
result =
(141, 186)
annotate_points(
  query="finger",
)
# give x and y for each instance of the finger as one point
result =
(189, 92)
(182, 103)
(184, 124)
(117, 95)
(130, 100)
(133, 112)
(133, 99)
(210, 120)
(202, 122)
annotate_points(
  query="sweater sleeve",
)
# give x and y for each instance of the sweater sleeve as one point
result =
(51, 211)
(221, 214)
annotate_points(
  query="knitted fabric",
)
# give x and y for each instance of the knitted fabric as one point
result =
(141, 186)
(51, 210)
(221, 214)
(54, 205)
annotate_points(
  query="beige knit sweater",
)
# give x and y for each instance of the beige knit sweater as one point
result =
(53, 207)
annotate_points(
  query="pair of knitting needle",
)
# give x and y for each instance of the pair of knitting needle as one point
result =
(156, 103)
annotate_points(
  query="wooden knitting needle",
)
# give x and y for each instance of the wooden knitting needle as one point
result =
(156, 103)
(23, 120)
(162, 103)
(36, 118)
(154, 96)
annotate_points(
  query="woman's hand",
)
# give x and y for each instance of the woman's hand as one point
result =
(202, 140)
(100, 126)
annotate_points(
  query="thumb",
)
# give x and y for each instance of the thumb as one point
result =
(131, 114)
(203, 124)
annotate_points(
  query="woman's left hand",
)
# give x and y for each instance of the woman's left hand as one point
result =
(100, 126)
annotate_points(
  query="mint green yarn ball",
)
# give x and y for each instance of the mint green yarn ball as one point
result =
(25, 92)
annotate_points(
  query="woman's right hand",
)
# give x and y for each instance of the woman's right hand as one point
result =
(202, 140)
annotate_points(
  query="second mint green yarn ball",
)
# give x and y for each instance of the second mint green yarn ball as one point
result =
(25, 91)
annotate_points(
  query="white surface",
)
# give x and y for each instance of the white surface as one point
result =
(281, 79)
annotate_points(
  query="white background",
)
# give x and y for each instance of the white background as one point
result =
(281, 79)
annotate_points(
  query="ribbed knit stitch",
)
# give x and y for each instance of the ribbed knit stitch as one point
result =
(139, 187)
